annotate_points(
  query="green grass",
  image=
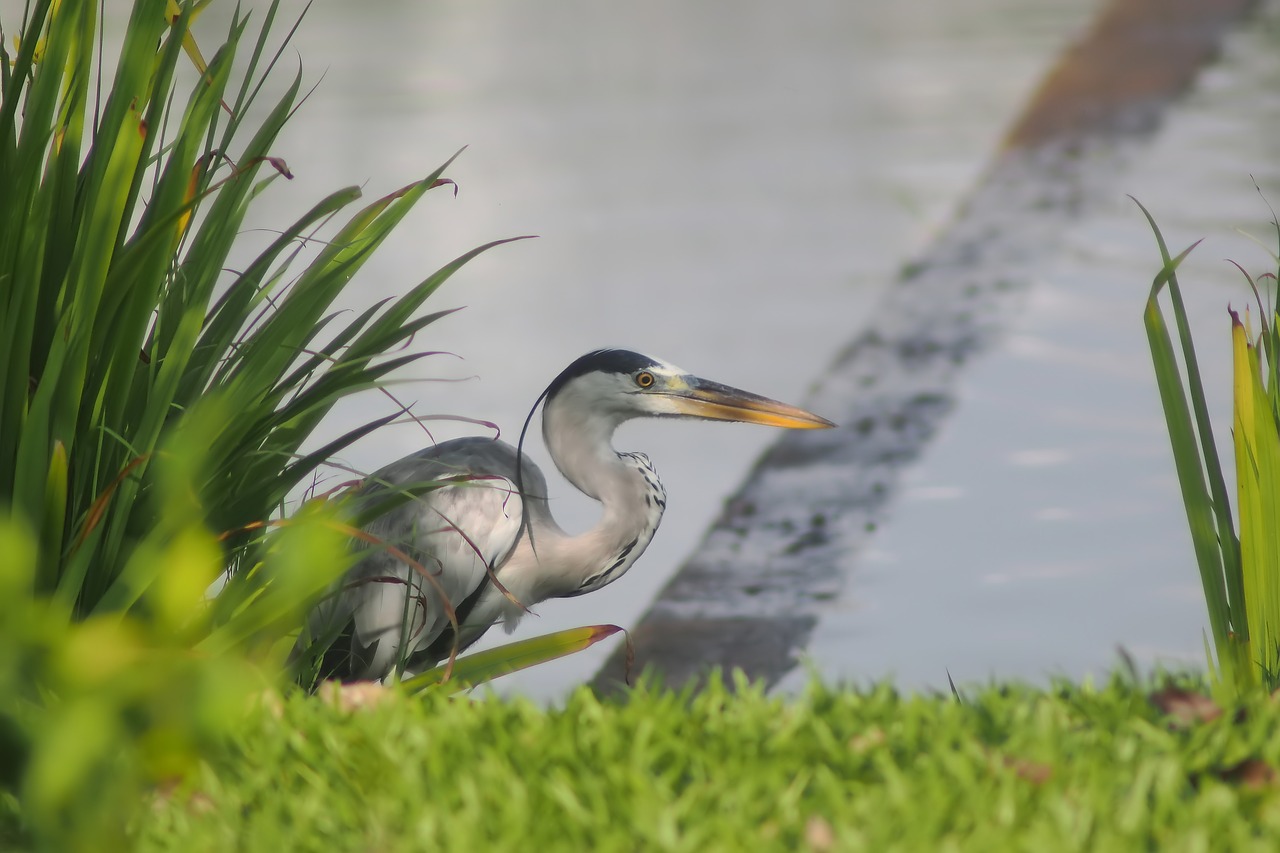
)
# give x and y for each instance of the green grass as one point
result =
(1069, 768)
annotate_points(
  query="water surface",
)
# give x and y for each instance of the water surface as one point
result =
(725, 185)
(1044, 528)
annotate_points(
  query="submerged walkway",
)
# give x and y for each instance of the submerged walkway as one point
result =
(751, 595)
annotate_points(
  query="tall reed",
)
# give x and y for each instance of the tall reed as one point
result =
(1239, 567)
(156, 399)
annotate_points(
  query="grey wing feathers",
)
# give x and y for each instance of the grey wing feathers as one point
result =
(455, 534)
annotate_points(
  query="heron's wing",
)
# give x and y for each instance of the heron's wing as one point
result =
(435, 548)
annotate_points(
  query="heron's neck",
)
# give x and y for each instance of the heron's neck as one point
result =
(631, 496)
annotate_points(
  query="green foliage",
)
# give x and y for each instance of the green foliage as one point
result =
(1070, 768)
(1240, 572)
(97, 711)
(1256, 435)
(119, 317)
(154, 401)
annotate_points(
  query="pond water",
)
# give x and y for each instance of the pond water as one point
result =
(731, 186)
(1044, 528)
(725, 185)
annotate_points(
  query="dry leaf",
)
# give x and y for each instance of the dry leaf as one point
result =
(1032, 771)
(1253, 773)
(819, 834)
(868, 740)
(1185, 706)
(355, 696)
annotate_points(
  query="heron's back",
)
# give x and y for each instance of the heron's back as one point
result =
(464, 517)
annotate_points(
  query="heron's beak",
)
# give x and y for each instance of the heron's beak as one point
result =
(700, 398)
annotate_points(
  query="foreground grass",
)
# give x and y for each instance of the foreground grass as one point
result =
(1071, 768)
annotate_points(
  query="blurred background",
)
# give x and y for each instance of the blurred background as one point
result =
(731, 186)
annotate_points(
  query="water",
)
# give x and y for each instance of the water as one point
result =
(725, 185)
(731, 186)
(1044, 527)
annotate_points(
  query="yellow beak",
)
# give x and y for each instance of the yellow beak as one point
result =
(700, 398)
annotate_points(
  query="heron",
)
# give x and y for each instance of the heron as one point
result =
(484, 531)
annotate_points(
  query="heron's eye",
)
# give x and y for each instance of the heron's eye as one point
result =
(644, 379)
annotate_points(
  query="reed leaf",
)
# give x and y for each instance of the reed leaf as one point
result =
(479, 667)
(122, 323)
(1239, 572)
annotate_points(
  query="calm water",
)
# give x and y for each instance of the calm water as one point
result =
(1044, 528)
(730, 186)
(725, 185)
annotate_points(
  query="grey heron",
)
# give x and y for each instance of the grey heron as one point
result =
(486, 535)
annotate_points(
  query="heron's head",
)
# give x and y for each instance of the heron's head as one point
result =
(614, 385)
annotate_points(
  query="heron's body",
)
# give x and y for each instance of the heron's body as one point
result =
(487, 536)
